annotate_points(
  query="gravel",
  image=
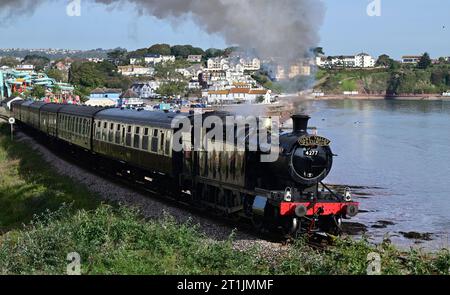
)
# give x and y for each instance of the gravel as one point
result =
(153, 208)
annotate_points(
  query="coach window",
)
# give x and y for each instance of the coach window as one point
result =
(97, 130)
(155, 141)
(105, 131)
(137, 137)
(85, 126)
(145, 139)
(118, 134)
(128, 137)
(168, 137)
(161, 143)
(111, 132)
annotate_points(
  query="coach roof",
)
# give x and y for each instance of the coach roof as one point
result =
(52, 107)
(150, 118)
(37, 105)
(81, 111)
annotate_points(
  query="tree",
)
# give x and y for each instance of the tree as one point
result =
(39, 62)
(162, 49)
(56, 89)
(184, 51)
(56, 74)
(384, 61)
(118, 56)
(213, 52)
(38, 91)
(86, 74)
(9, 61)
(172, 88)
(318, 51)
(425, 61)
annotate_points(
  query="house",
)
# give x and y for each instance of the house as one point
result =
(411, 59)
(361, 60)
(96, 59)
(218, 64)
(152, 59)
(131, 99)
(219, 96)
(250, 64)
(233, 95)
(192, 72)
(134, 70)
(279, 72)
(194, 58)
(25, 68)
(106, 94)
(146, 90)
(194, 84)
(364, 60)
(101, 102)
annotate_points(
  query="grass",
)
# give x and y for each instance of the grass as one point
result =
(28, 185)
(118, 240)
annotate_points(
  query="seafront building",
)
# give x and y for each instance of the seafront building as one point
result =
(361, 60)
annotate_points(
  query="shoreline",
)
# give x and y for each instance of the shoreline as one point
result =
(422, 97)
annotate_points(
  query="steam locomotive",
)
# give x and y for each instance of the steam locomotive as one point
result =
(286, 194)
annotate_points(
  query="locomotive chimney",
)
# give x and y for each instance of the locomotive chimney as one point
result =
(300, 123)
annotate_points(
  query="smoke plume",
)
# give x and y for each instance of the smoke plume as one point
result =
(285, 29)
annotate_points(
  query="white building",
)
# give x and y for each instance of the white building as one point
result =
(218, 64)
(194, 58)
(134, 70)
(361, 60)
(250, 64)
(25, 68)
(364, 60)
(152, 59)
(279, 72)
(238, 95)
(193, 84)
(411, 59)
(147, 89)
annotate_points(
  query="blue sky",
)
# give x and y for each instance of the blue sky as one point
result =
(404, 27)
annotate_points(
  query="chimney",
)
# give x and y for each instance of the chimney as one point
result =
(300, 123)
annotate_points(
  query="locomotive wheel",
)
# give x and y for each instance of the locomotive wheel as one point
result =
(258, 222)
(331, 225)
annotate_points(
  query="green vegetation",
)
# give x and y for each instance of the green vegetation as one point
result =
(117, 240)
(29, 186)
(57, 75)
(169, 89)
(89, 75)
(263, 79)
(9, 61)
(38, 61)
(390, 78)
(38, 91)
(167, 70)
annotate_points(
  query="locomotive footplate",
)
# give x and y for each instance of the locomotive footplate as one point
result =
(318, 208)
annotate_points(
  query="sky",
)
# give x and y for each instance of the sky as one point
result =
(405, 27)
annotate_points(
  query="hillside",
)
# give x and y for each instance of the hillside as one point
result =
(405, 80)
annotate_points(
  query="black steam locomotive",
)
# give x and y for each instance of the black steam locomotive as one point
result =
(286, 194)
